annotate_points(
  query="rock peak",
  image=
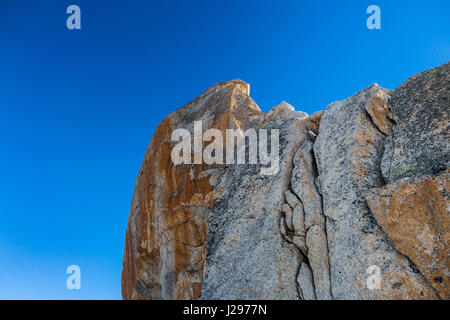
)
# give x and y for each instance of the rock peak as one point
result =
(285, 112)
(238, 83)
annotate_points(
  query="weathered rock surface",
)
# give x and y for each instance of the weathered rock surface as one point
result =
(361, 186)
(348, 150)
(247, 256)
(167, 227)
(420, 141)
(303, 183)
(415, 214)
(306, 282)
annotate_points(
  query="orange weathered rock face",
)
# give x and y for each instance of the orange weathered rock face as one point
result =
(379, 110)
(414, 213)
(167, 227)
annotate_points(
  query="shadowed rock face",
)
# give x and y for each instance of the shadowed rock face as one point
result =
(419, 142)
(359, 185)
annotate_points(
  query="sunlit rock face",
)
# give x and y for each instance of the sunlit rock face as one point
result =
(414, 214)
(359, 186)
(349, 149)
(250, 250)
(167, 228)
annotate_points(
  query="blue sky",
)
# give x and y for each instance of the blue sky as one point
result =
(78, 108)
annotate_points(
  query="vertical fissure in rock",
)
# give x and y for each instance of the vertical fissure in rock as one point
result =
(288, 233)
(317, 184)
(303, 224)
(303, 258)
(305, 174)
(291, 230)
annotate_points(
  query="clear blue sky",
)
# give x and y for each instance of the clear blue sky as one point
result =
(79, 108)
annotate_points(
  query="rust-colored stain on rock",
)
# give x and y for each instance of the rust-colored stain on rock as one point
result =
(415, 215)
(167, 227)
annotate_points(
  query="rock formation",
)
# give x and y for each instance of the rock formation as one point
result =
(360, 186)
(165, 242)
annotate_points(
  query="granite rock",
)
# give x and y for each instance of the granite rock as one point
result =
(415, 214)
(165, 243)
(419, 142)
(348, 151)
(360, 186)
